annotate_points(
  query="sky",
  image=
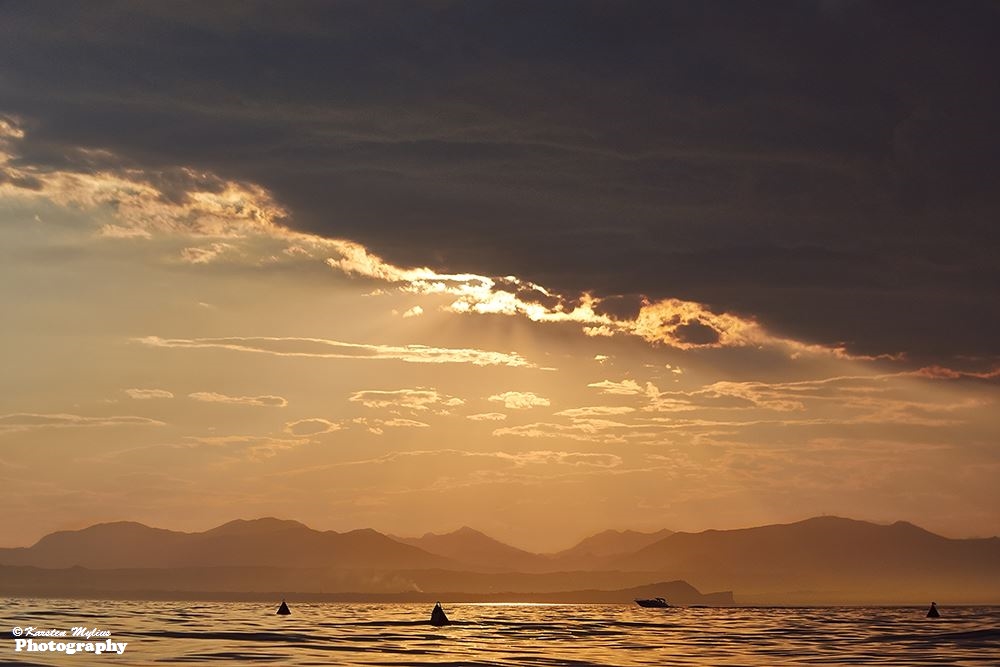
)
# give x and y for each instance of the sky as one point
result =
(538, 268)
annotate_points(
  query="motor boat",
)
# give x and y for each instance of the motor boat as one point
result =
(653, 602)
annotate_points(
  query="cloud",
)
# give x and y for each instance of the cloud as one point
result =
(177, 200)
(398, 422)
(623, 388)
(321, 348)
(595, 411)
(205, 254)
(549, 457)
(757, 394)
(515, 459)
(25, 421)
(256, 447)
(147, 394)
(892, 398)
(257, 401)
(487, 416)
(519, 400)
(945, 373)
(685, 325)
(591, 430)
(417, 399)
(189, 203)
(311, 426)
(378, 426)
(754, 194)
(416, 311)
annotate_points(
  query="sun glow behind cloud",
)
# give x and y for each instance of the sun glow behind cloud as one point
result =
(441, 425)
(230, 216)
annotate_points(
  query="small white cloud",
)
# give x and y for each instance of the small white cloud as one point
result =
(416, 311)
(519, 400)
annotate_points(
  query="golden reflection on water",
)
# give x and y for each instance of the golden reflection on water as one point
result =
(218, 633)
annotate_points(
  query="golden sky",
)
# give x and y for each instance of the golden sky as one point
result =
(177, 351)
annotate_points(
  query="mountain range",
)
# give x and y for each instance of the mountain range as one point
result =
(824, 560)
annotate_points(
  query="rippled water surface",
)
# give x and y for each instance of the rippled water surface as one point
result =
(397, 634)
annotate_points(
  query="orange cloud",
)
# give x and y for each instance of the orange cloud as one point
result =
(311, 426)
(487, 416)
(583, 430)
(623, 388)
(25, 421)
(519, 400)
(378, 426)
(684, 325)
(944, 373)
(323, 348)
(256, 401)
(257, 447)
(147, 394)
(408, 399)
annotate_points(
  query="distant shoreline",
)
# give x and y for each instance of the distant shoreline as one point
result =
(457, 599)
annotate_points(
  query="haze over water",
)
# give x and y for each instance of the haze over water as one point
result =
(397, 634)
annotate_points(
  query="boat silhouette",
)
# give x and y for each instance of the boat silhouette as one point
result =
(653, 602)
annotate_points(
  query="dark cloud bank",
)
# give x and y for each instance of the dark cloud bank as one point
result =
(829, 167)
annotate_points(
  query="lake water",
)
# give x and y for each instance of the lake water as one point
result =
(220, 633)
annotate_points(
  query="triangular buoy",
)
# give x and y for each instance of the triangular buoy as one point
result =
(933, 612)
(283, 609)
(438, 617)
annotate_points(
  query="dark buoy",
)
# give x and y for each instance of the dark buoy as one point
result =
(283, 609)
(438, 617)
(933, 612)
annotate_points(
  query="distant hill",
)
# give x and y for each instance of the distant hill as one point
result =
(829, 559)
(825, 560)
(261, 542)
(596, 549)
(478, 551)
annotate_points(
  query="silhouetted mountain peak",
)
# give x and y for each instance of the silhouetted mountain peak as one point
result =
(108, 530)
(464, 531)
(476, 549)
(907, 526)
(611, 543)
(257, 526)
